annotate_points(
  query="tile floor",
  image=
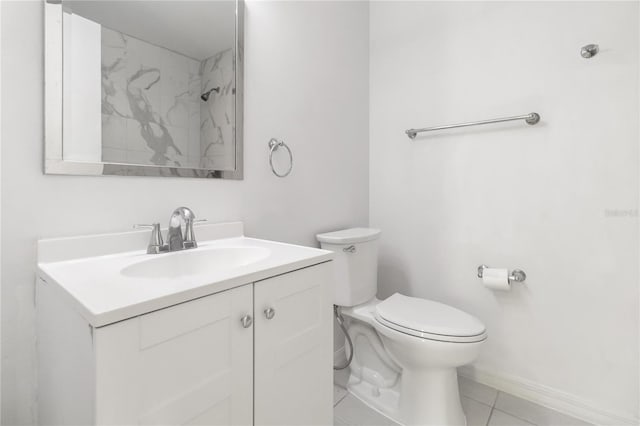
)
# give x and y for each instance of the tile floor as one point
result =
(483, 405)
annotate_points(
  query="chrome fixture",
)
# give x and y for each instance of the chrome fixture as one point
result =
(246, 321)
(176, 240)
(205, 95)
(269, 313)
(156, 245)
(589, 51)
(350, 249)
(274, 144)
(516, 276)
(532, 118)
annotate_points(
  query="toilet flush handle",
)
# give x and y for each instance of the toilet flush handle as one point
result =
(350, 249)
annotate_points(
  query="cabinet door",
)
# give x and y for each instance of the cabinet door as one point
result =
(187, 364)
(293, 349)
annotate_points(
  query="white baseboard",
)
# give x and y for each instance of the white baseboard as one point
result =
(551, 398)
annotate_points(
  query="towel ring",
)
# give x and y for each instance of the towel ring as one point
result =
(274, 144)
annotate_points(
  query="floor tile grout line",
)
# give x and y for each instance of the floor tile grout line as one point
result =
(495, 399)
(346, 392)
(339, 401)
(477, 400)
(490, 415)
(335, 416)
(516, 416)
(493, 406)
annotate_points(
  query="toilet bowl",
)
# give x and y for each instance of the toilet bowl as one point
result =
(406, 349)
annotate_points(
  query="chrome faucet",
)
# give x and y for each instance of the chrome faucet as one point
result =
(176, 239)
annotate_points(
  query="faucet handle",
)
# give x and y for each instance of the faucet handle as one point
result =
(156, 244)
(144, 225)
(189, 235)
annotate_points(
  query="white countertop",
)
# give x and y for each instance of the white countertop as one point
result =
(97, 289)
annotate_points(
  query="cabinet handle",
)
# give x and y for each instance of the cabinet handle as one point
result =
(269, 313)
(246, 321)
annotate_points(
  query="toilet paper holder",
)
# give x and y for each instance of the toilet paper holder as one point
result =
(517, 275)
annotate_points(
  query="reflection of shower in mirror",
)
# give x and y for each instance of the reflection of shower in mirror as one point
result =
(205, 95)
(172, 86)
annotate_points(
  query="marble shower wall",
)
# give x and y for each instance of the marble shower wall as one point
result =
(218, 113)
(150, 103)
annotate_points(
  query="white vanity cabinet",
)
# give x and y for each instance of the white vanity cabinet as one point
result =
(294, 348)
(221, 359)
(187, 364)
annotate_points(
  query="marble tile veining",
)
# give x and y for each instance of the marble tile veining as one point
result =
(147, 94)
(152, 106)
(218, 114)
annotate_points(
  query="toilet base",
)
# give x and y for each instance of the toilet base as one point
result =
(381, 399)
(427, 397)
(430, 397)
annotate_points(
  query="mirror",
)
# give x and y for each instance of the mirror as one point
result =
(149, 88)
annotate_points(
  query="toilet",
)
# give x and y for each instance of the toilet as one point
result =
(406, 349)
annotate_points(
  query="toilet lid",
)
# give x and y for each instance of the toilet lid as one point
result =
(429, 319)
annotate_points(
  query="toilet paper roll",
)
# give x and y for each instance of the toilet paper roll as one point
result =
(496, 279)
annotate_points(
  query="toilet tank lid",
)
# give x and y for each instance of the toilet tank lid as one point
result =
(349, 236)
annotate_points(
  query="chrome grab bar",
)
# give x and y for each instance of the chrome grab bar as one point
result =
(532, 118)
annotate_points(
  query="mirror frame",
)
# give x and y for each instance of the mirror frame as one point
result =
(54, 163)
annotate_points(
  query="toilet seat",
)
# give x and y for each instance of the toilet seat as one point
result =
(430, 320)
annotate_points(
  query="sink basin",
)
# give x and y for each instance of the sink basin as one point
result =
(195, 262)
(109, 278)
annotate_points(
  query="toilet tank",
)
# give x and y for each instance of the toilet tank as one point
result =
(356, 264)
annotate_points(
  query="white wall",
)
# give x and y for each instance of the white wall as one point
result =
(1, 337)
(306, 82)
(541, 198)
